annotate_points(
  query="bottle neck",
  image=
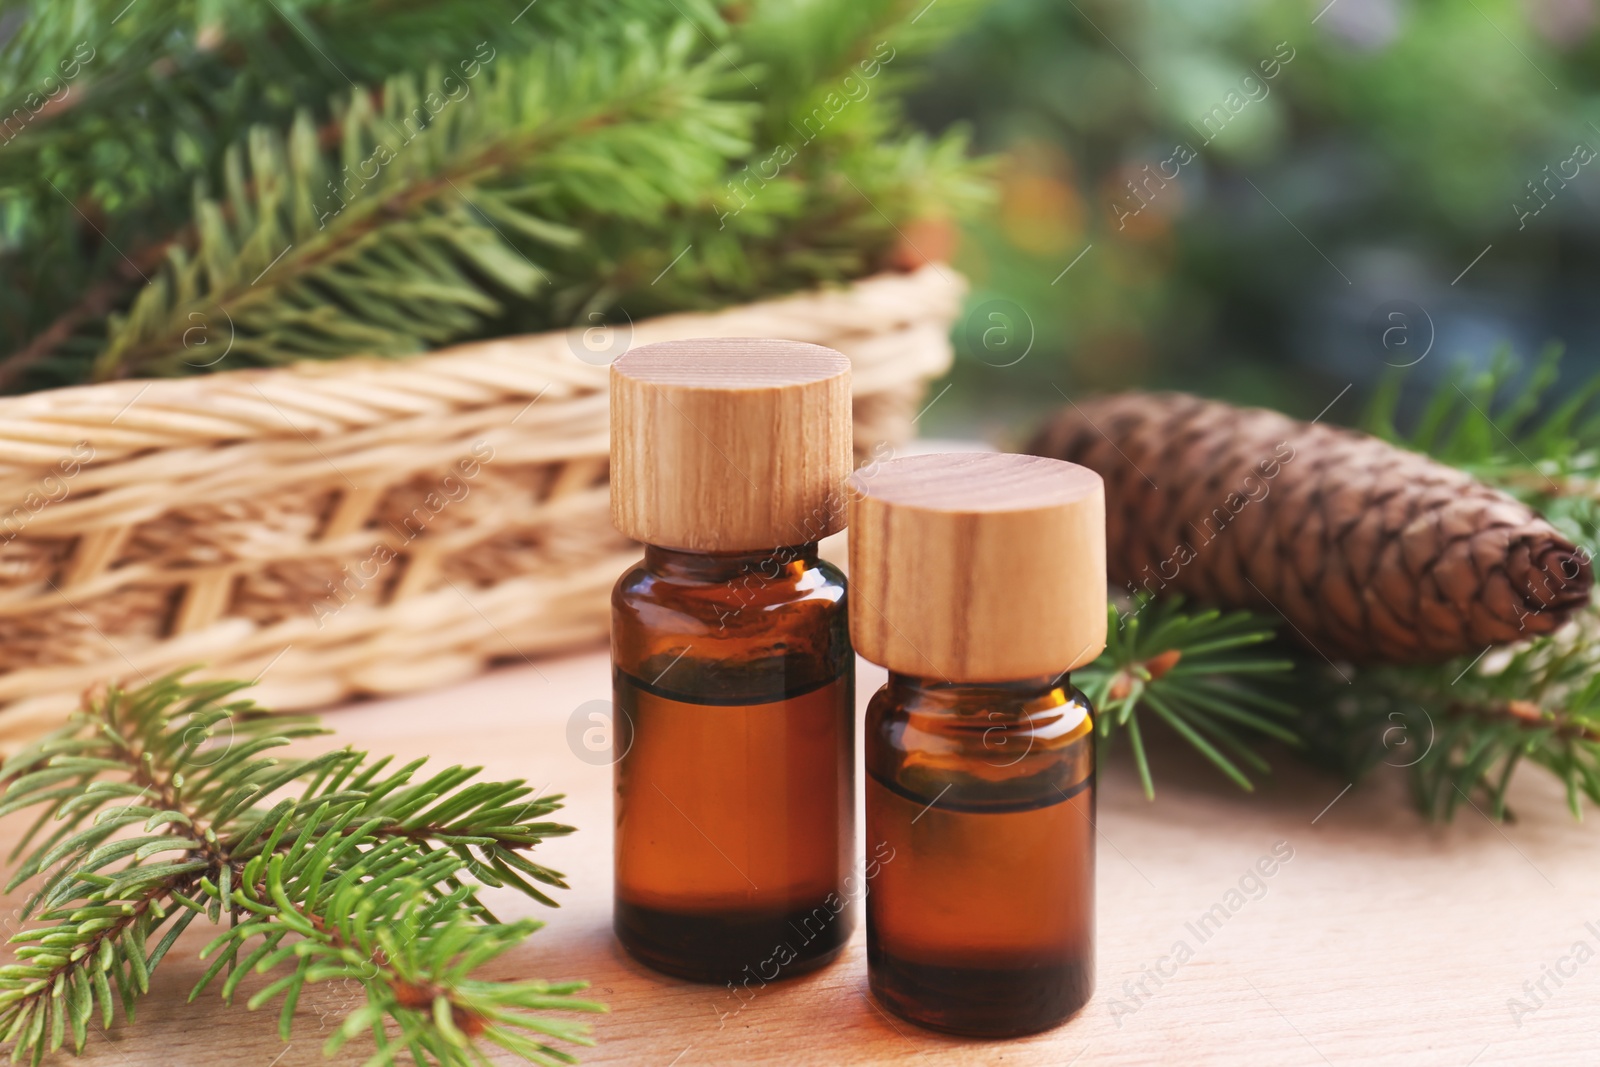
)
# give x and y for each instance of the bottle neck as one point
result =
(1025, 695)
(986, 741)
(683, 565)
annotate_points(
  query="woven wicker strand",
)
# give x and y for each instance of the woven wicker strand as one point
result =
(362, 526)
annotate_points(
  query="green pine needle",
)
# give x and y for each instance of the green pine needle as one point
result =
(162, 805)
(1196, 674)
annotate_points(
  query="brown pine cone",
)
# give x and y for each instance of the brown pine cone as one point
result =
(1371, 552)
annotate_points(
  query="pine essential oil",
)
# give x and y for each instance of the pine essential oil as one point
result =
(732, 668)
(984, 921)
(980, 583)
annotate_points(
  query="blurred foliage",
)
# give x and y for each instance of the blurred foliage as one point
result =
(1394, 142)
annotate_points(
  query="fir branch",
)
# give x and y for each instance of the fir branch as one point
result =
(109, 122)
(783, 234)
(541, 237)
(159, 797)
(1195, 674)
(1461, 730)
(412, 953)
(203, 73)
(417, 252)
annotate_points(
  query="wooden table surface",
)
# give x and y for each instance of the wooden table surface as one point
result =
(1382, 939)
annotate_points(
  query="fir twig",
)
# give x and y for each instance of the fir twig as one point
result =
(1196, 674)
(1462, 729)
(391, 250)
(162, 806)
(596, 150)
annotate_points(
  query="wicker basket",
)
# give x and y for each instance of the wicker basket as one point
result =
(361, 526)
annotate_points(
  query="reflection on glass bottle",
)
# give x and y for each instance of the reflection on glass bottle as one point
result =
(984, 924)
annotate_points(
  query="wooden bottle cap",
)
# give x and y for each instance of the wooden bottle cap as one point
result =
(725, 444)
(977, 567)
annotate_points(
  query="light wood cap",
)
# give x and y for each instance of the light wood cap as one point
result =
(726, 444)
(977, 567)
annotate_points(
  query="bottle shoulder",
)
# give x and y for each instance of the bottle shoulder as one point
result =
(952, 706)
(754, 627)
(981, 745)
(813, 594)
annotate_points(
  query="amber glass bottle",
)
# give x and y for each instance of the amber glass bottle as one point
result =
(732, 668)
(980, 582)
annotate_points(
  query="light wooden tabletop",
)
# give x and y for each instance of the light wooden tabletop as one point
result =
(1382, 939)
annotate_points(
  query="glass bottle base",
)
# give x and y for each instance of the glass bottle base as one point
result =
(732, 947)
(980, 1001)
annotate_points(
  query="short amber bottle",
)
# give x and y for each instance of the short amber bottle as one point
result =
(980, 583)
(732, 668)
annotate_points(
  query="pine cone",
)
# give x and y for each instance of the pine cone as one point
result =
(1371, 552)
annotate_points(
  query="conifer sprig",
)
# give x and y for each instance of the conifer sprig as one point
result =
(166, 807)
(754, 151)
(1462, 730)
(404, 240)
(1197, 674)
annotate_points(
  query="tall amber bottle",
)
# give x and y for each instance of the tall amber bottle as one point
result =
(980, 583)
(732, 670)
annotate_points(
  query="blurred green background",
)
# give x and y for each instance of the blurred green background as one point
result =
(1268, 201)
